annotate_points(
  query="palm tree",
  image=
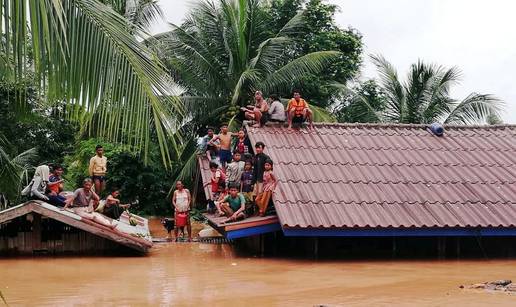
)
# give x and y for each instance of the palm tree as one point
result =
(87, 55)
(12, 172)
(425, 97)
(224, 51)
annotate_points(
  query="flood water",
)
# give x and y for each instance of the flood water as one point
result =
(196, 274)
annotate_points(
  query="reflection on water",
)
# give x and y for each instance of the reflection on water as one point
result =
(208, 274)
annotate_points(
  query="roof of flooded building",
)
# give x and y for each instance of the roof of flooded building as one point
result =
(384, 175)
(136, 237)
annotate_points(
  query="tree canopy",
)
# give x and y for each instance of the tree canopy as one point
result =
(84, 53)
(424, 97)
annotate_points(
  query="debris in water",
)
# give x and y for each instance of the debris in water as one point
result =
(502, 285)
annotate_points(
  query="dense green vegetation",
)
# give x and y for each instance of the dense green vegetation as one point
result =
(75, 74)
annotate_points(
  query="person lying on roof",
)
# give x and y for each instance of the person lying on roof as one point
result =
(232, 206)
(298, 110)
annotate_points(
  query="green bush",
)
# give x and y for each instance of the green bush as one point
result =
(147, 184)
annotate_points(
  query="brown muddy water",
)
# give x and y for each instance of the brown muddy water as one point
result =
(196, 274)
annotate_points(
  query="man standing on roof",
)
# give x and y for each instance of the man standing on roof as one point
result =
(298, 110)
(224, 137)
(259, 167)
(98, 169)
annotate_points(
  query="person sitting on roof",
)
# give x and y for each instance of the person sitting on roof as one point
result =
(257, 112)
(55, 186)
(83, 201)
(225, 144)
(38, 185)
(276, 110)
(269, 185)
(205, 146)
(298, 110)
(232, 206)
(112, 206)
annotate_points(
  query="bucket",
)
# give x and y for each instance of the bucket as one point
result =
(181, 219)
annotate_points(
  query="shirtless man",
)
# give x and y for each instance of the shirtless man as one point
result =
(258, 112)
(224, 137)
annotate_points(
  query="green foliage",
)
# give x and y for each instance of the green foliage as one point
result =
(29, 136)
(225, 50)
(146, 183)
(424, 97)
(88, 56)
(320, 33)
(362, 104)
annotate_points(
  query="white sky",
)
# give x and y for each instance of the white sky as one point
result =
(478, 36)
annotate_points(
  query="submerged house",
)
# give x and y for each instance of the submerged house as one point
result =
(36, 227)
(387, 180)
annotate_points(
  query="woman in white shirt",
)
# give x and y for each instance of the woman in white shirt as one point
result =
(181, 201)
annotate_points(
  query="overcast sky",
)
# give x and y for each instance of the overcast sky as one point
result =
(478, 36)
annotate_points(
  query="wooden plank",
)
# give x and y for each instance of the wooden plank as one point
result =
(231, 227)
(246, 223)
(15, 212)
(36, 232)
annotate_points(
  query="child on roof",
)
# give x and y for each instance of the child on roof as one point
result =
(234, 170)
(269, 185)
(232, 206)
(242, 144)
(246, 181)
(55, 186)
(217, 180)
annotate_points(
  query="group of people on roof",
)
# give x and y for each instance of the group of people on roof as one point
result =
(48, 185)
(242, 179)
(272, 110)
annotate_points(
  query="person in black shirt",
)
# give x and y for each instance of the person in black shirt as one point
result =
(259, 167)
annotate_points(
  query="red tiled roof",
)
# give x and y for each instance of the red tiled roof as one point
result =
(369, 175)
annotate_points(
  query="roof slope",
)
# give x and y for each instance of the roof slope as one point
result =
(136, 237)
(370, 175)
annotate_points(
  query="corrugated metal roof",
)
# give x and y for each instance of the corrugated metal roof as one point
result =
(368, 175)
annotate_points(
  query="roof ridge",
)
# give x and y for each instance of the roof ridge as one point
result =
(400, 125)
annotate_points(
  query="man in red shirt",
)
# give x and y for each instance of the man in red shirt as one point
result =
(298, 111)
